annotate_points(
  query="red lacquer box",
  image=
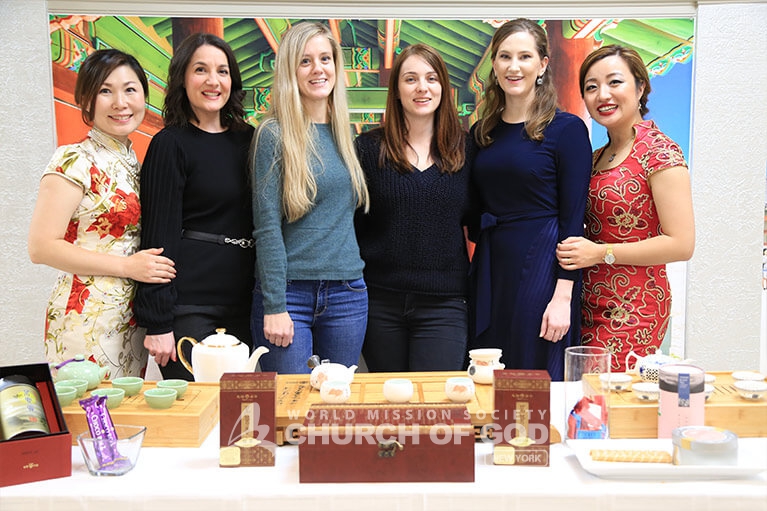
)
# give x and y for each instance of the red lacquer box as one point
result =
(43, 457)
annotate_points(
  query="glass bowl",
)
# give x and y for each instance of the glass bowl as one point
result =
(112, 458)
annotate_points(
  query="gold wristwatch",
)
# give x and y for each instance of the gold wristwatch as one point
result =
(609, 256)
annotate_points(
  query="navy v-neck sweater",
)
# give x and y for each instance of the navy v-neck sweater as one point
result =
(412, 239)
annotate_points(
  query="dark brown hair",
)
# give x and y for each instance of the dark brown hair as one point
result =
(447, 145)
(632, 60)
(178, 111)
(545, 103)
(94, 71)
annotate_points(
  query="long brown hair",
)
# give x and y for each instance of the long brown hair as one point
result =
(447, 144)
(545, 102)
(632, 60)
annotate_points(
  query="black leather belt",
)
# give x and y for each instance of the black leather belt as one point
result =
(218, 238)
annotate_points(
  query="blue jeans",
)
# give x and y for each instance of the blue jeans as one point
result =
(412, 332)
(329, 320)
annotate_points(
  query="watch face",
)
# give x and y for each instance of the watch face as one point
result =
(609, 258)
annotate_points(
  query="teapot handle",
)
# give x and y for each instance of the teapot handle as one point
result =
(180, 353)
(636, 359)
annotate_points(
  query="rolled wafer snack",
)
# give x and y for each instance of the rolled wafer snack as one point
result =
(630, 455)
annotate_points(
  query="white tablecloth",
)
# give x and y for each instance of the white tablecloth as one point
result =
(190, 479)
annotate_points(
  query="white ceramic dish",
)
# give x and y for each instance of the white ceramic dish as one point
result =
(751, 390)
(750, 462)
(709, 378)
(709, 390)
(747, 375)
(615, 381)
(646, 391)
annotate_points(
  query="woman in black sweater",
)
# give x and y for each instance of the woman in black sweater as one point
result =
(196, 205)
(412, 240)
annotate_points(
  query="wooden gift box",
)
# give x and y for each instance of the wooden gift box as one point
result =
(295, 396)
(632, 418)
(43, 457)
(356, 443)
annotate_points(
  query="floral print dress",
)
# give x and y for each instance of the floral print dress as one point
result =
(92, 314)
(626, 308)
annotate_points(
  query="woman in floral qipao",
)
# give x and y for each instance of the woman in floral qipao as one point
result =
(86, 224)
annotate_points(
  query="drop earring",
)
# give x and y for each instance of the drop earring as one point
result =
(539, 81)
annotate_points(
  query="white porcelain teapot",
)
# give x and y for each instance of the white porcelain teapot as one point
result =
(218, 354)
(326, 370)
(648, 367)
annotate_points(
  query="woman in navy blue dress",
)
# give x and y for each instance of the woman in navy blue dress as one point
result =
(532, 170)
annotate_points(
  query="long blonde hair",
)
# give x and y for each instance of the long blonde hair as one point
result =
(299, 187)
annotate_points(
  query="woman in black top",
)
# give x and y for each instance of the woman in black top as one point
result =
(412, 240)
(196, 205)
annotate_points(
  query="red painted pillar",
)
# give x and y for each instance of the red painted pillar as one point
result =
(566, 58)
(182, 27)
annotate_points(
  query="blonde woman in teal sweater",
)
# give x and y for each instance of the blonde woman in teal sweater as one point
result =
(310, 296)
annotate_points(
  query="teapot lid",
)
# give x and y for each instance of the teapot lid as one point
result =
(220, 339)
(77, 358)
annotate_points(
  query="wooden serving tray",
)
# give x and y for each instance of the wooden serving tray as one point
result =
(185, 424)
(632, 418)
(295, 396)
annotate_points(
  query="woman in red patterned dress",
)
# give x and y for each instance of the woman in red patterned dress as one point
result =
(639, 213)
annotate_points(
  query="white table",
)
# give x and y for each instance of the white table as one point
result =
(190, 479)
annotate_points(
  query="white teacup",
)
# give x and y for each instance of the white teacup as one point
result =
(335, 392)
(398, 390)
(459, 389)
(483, 361)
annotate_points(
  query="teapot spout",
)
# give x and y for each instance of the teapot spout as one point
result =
(250, 366)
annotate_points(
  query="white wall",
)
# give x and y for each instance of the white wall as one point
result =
(728, 162)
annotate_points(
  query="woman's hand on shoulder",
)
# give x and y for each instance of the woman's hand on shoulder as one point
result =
(577, 252)
(150, 267)
(278, 329)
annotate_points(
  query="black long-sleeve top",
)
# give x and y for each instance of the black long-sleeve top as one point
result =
(195, 180)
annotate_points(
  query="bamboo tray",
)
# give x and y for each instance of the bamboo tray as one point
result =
(295, 396)
(185, 424)
(632, 418)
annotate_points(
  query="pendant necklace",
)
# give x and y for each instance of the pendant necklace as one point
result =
(612, 156)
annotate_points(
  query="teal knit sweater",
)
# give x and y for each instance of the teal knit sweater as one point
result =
(319, 246)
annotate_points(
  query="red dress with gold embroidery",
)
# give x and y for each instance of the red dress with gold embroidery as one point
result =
(626, 308)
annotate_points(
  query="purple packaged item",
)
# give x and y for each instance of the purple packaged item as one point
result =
(102, 431)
